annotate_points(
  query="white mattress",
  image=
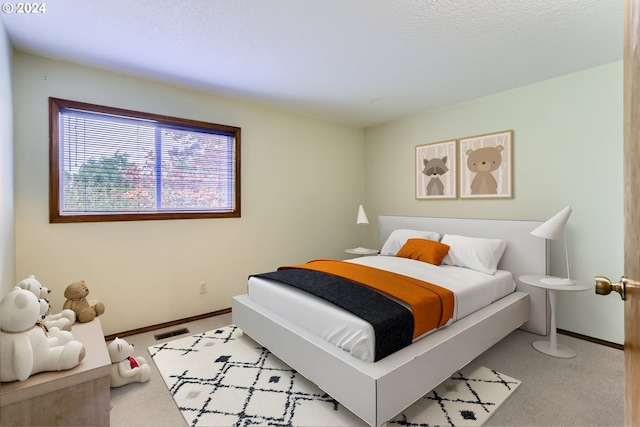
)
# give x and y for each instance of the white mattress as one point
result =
(473, 290)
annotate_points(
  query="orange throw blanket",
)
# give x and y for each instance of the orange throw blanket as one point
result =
(432, 305)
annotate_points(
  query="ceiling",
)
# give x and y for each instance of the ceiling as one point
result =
(358, 62)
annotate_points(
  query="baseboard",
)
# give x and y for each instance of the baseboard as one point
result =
(591, 339)
(228, 310)
(166, 324)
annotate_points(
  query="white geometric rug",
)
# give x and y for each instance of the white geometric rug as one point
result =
(224, 378)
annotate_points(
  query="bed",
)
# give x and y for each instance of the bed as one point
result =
(377, 391)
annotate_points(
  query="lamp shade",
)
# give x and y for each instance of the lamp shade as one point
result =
(554, 226)
(362, 217)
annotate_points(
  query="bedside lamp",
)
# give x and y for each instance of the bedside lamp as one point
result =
(552, 229)
(361, 220)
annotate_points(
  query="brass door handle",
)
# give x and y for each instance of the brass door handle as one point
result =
(604, 286)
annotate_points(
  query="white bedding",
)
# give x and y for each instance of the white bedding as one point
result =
(473, 290)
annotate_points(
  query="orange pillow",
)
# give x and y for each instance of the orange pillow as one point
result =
(424, 250)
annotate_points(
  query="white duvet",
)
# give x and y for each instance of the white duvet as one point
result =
(473, 290)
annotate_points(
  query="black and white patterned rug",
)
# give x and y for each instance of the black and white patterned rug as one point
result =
(224, 378)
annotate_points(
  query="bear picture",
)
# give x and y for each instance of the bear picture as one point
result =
(485, 166)
(436, 170)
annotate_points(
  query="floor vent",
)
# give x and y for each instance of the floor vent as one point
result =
(171, 334)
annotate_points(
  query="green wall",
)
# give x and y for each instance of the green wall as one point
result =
(567, 150)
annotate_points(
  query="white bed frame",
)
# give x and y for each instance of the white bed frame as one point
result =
(376, 392)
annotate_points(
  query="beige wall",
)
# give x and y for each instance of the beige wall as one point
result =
(7, 229)
(567, 150)
(302, 181)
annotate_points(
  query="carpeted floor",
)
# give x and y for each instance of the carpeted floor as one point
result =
(223, 377)
(587, 390)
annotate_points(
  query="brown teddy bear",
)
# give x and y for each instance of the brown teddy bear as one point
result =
(76, 294)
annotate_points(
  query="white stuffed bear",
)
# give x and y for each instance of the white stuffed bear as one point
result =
(25, 348)
(125, 368)
(31, 284)
(55, 335)
(63, 320)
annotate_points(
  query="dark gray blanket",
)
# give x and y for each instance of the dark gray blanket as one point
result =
(392, 322)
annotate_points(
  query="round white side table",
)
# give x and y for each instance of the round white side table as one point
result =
(361, 251)
(551, 347)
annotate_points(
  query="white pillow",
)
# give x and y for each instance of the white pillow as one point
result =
(399, 237)
(473, 252)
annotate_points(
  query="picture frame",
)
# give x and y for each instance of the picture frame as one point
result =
(486, 166)
(436, 171)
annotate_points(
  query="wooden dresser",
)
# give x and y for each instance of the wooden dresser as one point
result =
(77, 397)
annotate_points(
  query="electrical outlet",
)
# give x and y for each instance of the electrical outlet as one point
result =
(203, 287)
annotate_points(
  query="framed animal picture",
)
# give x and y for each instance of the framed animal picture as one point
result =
(486, 166)
(436, 171)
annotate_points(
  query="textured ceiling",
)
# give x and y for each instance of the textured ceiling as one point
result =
(359, 62)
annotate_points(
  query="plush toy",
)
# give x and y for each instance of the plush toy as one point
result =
(125, 368)
(55, 335)
(31, 284)
(25, 348)
(76, 295)
(63, 320)
(483, 162)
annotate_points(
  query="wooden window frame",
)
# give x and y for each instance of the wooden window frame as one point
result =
(57, 216)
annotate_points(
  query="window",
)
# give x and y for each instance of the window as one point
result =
(109, 164)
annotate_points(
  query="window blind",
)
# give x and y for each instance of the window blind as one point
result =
(111, 163)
